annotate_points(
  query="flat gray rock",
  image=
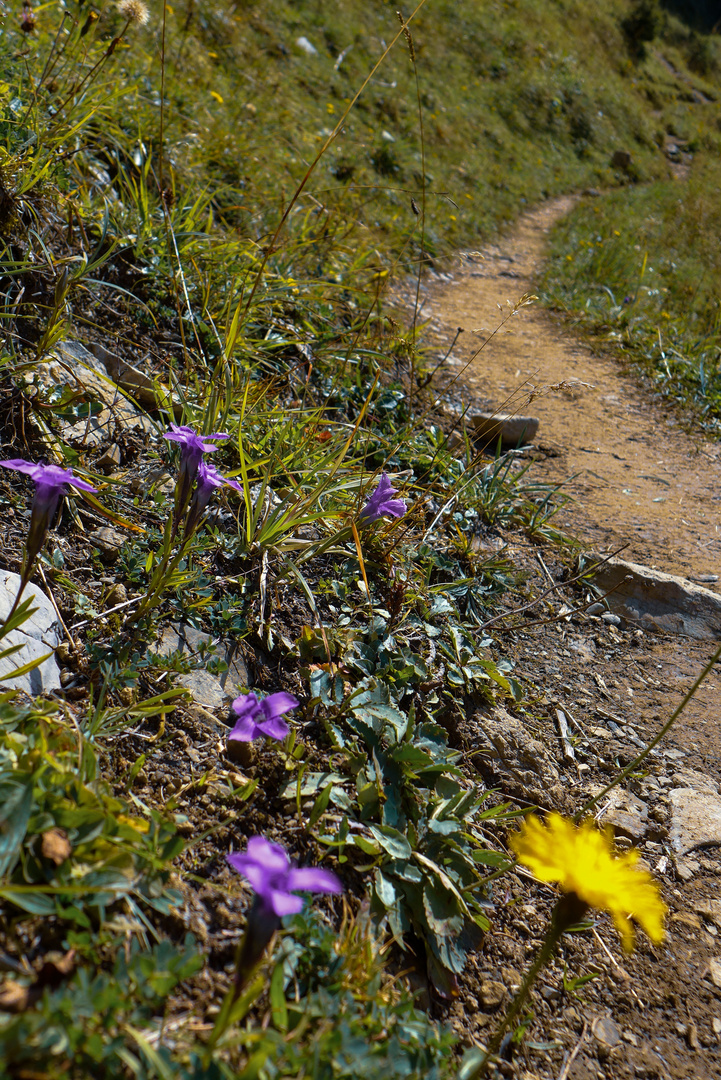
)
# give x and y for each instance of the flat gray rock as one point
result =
(193, 643)
(72, 364)
(205, 689)
(657, 601)
(695, 819)
(38, 635)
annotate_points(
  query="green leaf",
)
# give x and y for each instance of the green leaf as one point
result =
(392, 841)
(442, 910)
(30, 666)
(16, 800)
(312, 783)
(278, 1006)
(158, 1061)
(384, 888)
(36, 903)
(320, 805)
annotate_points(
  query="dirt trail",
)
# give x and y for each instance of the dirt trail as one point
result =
(639, 479)
(642, 481)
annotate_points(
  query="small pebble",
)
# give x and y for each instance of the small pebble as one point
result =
(491, 994)
(610, 619)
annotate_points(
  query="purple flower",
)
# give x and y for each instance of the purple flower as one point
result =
(50, 481)
(207, 480)
(192, 448)
(264, 717)
(381, 503)
(271, 873)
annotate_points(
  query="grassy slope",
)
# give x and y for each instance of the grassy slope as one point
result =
(639, 268)
(520, 101)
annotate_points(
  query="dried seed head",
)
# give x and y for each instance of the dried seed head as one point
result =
(407, 36)
(134, 11)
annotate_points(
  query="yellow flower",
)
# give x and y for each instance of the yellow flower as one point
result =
(583, 862)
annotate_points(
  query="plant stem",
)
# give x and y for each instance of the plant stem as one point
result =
(568, 911)
(654, 742)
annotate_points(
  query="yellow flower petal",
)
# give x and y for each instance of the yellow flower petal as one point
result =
(582, 861)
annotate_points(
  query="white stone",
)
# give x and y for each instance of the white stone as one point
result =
(306, 46)
(38, 636)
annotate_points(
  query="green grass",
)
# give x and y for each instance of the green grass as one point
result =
(641, 269)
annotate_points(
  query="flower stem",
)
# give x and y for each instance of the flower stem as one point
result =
(568, 911)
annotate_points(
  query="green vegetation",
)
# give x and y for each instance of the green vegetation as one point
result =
(145, 172)
(641, 270)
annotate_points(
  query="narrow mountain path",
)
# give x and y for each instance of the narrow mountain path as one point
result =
(636, 479)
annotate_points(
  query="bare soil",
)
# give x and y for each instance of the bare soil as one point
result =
(637, 479)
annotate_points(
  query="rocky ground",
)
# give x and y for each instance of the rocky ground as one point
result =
(604, 682)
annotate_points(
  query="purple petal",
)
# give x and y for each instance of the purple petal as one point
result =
(283, 903)
(20, 465)
(277, 704)
(208, 476)
(313, 879)
(381, 503)
(272, 856)
(275, 728)
(246, 705)
(394, 507)
(245, 730)
(384, 487)
(48, 476)
(80, 484)
(257, 876)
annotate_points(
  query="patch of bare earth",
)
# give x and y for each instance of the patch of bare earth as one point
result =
(637, 479)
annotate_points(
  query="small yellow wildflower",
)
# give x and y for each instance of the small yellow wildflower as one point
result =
(217, 96)
(582, 861)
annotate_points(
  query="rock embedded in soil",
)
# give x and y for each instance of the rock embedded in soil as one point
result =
(38, 636)
(74, 364)
(659, 601)
(149, 392)
(491, 993)
(108, 542)
(606, 1031)
(695, 823)
(713, 970)
(194, 644)
(523, 763)
(512, 430)
(627, 814)
(711, 911)
(205, 689)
